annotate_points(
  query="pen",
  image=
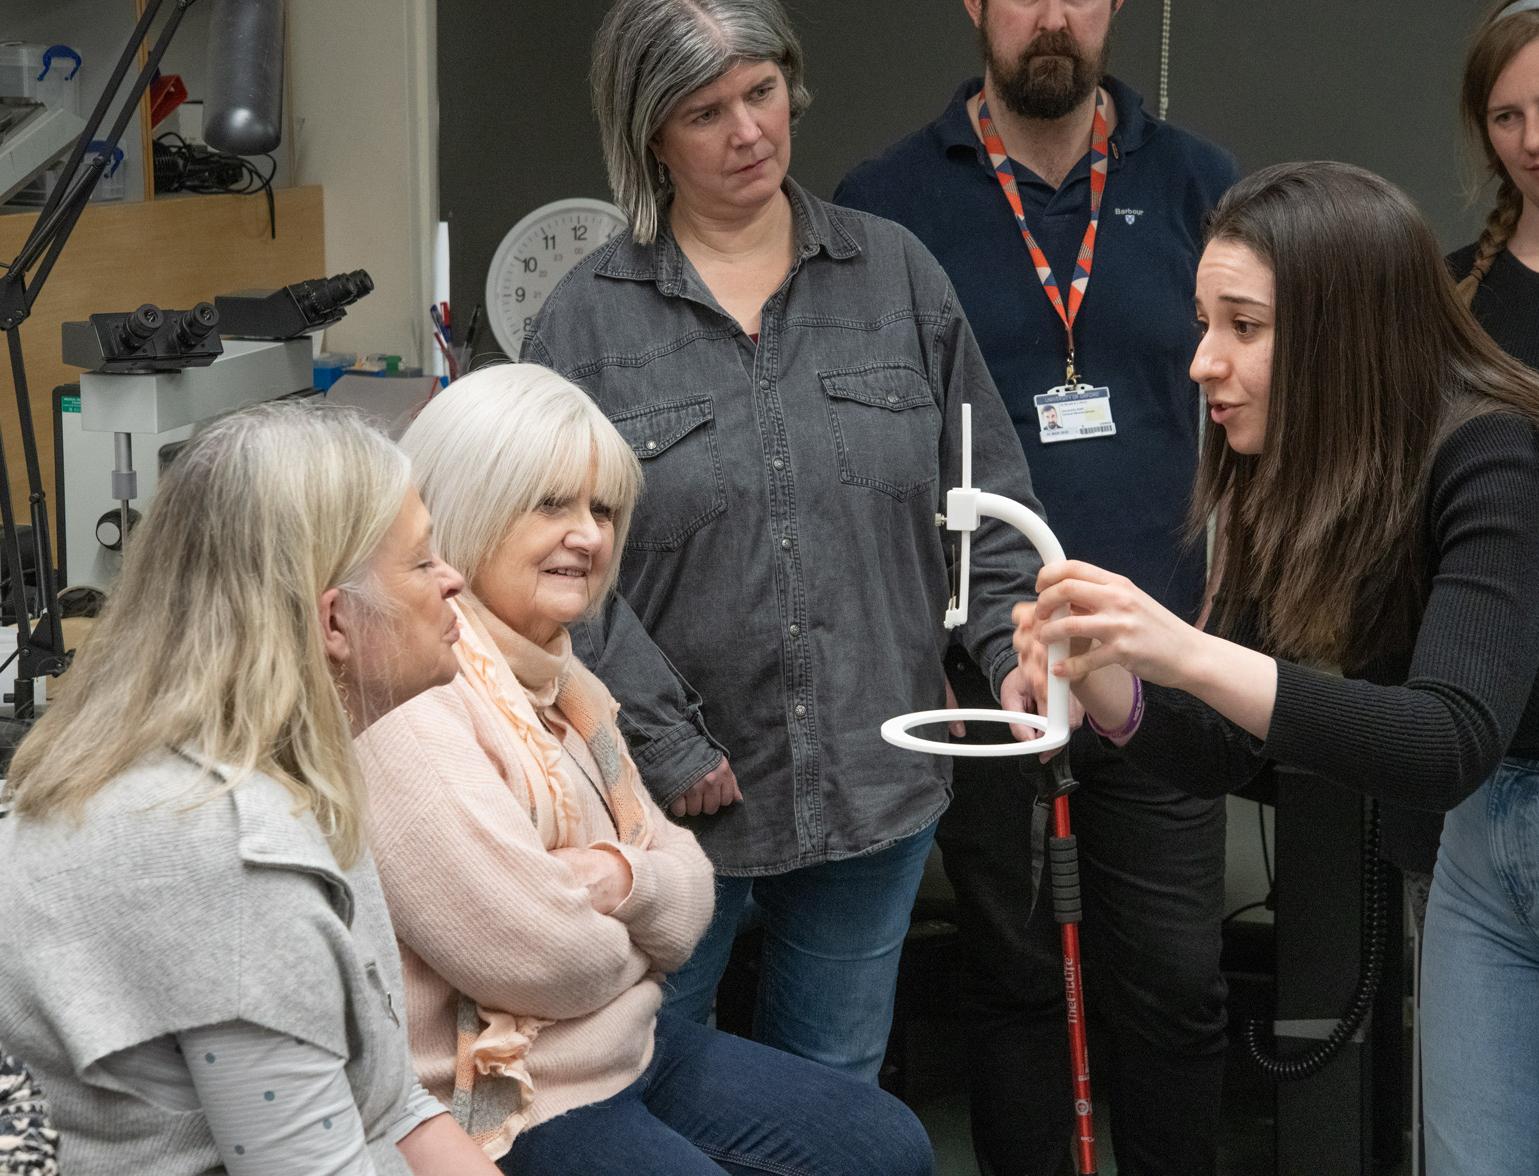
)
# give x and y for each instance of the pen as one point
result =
(436, 314)
(454, 372)
(470, 330)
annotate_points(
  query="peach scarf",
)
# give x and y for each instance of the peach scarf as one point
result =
(540, 691)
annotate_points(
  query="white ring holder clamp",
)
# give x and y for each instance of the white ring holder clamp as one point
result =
(965, 506)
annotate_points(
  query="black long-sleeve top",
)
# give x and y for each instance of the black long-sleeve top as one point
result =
(1420, 727)
(1506, 302)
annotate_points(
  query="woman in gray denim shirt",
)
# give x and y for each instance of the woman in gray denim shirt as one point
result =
(791, 375)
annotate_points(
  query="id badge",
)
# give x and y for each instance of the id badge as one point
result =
(1074, 413)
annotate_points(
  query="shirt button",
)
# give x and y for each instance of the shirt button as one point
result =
(764, 383)
(786, 543)
(892, 398)
(801, 711)
(651, 444)
(796, 630)
(778, 464)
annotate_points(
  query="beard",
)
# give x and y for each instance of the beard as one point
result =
(1049, 79)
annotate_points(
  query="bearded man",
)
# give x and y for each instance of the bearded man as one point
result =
(1070, 221)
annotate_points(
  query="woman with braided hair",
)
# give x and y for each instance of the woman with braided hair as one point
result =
(1499, 273)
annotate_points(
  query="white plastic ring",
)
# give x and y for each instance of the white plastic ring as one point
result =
(896, 731)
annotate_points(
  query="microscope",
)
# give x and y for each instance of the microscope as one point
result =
(154, 375)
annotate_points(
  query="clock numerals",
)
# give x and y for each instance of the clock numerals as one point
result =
(536, 254)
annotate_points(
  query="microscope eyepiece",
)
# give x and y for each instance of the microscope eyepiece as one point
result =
(141, 325)
(195, 324)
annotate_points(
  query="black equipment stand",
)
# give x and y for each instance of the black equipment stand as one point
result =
(1338, 948)
(40, 651)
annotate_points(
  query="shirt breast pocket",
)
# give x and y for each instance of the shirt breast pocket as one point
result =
(684, 487)
(886, 427)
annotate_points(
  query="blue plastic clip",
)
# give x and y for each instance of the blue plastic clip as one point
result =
(114, 159)
(59, 51)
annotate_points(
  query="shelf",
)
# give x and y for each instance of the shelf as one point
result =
(98, 30)
(173, 253)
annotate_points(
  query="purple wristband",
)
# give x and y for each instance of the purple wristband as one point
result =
(1135, 715)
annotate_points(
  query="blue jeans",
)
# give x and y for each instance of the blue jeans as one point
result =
(711, 1103)
(833, 934)
(1480, 982)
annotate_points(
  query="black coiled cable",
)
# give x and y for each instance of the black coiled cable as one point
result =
(181, 166)
(1375, 936)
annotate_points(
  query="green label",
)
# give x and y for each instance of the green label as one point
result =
(69, 404)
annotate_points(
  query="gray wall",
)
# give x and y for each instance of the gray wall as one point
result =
(1373, 82)
(1370, 81)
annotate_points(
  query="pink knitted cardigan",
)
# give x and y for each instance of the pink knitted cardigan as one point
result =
(482, 909)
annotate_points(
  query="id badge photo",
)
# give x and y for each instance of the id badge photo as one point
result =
(1074, 413)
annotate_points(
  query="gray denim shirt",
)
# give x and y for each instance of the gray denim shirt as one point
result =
(784, 557)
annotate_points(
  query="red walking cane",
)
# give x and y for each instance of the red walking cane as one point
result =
(965, 506)
(1063, 862)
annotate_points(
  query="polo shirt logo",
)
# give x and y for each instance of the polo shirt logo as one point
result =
(1129, 214)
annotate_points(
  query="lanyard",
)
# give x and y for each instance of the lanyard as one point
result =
(1004, 172)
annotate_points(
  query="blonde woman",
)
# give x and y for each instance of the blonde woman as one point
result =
(1500, 105)
(538, 892)
(196, 960)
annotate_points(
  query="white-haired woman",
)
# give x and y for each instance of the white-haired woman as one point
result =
(537, 890)
(791, 375)
(195, 959)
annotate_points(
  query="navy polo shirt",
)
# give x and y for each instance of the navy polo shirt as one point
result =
(1121, 501)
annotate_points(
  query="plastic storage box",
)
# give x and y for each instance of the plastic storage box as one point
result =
(49, 74)
(40, 91)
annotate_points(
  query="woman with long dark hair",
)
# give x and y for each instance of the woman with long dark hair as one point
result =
(1374, 472)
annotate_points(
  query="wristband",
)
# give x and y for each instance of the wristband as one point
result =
(1135, 715)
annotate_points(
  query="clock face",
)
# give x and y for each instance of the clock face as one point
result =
(535, 255)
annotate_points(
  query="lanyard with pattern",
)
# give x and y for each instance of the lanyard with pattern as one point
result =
(1004, 172)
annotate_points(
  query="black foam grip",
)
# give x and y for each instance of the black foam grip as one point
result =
(1063, 864)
